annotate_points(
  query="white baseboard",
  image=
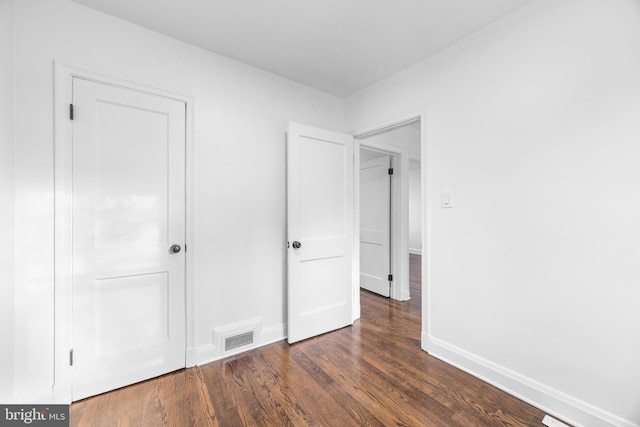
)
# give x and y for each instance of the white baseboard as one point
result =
(553, 402)
(43, 396)
(62, 392)
(207, 353)
(191, 357)
(211, 352)
(400, 293)
(415, 251)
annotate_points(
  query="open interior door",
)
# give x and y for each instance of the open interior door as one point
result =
(320, 231)
(375, 225)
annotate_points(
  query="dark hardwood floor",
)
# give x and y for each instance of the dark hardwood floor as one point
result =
(370, 374)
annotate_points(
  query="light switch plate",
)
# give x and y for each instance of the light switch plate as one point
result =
(446, 199)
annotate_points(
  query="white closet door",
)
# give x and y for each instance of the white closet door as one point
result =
(128, 236)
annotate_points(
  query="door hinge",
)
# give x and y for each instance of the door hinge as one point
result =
(71, 357)
(390, 277)
(390, 171)
(70, 111)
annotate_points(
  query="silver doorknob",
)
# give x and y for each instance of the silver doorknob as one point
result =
(297, 245)
(175, 249)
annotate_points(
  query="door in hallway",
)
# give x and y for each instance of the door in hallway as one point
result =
(375, 225)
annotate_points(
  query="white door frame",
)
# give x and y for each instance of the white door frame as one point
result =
(400, 287)
(64, 74)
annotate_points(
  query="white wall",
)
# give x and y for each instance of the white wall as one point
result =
(241, 115)
(534, 124)
(6, 201)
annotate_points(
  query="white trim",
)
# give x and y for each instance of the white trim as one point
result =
(191, 357)
(415, 251)
(191, 228)
(389, 124)
(61, 388)
(42, 396)
(62, 220)
(556, 403)
(425, 184)
(355, 298)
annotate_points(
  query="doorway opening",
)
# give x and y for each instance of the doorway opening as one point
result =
(401, 143)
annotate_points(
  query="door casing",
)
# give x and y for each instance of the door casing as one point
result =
(62, 384)
(399, 207)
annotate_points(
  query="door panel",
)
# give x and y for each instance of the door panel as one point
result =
(128, 209)
(120, 323)
(322, 201)
(130, 199)
(320, 218)
(375, 225)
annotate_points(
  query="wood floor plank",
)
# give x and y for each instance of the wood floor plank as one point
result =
(370, 383)
(373, 373)
(360, 415)
(324, 411)
(216, 384)
(269, 399)
(200, 403)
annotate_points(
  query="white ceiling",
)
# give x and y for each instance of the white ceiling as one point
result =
(337, 46)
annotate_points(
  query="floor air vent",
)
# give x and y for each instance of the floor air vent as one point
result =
(237, 341)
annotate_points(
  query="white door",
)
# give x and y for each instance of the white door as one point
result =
(128, 211)
(375, 225)
(320, 231)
